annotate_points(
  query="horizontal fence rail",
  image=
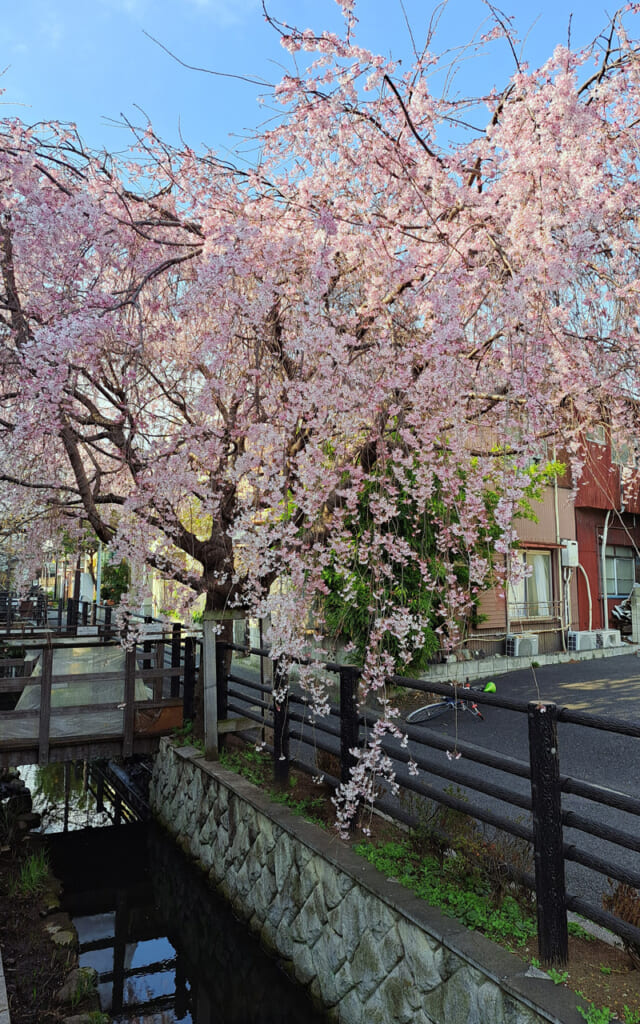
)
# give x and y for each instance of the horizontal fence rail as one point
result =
(533, 788)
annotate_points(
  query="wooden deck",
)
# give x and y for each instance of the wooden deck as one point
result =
(87, 699)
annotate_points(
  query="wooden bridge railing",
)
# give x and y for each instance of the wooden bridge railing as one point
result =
(60, 715)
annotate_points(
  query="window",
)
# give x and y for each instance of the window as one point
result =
(622, 455)
(597, 434)
(531, 597)
(622, 570)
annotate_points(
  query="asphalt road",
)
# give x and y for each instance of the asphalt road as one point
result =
(606, 687)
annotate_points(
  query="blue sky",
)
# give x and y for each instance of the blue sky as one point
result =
(89, 61)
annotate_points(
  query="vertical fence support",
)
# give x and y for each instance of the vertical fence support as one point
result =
(189, 678)
(176, 642)
(129, 697)
(349, 730)
(211, 685)
(553, 941)
(60, 610)
(45, 705)
(280, 727)
(222, 688)
(107, 622)
(146, 646)
(73, 606)
(72, 615)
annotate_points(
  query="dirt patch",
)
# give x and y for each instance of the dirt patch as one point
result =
(605, 974)
(34, 968)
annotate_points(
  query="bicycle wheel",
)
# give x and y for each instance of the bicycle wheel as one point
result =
(429, 711)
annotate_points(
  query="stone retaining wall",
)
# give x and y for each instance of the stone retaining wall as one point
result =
(368, 950)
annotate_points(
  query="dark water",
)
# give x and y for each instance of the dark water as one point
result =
(165, 946)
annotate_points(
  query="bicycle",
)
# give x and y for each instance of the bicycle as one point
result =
(429, 711)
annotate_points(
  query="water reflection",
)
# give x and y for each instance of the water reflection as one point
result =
(166, 948)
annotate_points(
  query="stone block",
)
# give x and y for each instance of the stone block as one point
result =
(329, 952)
(490, 1003)
(390, 950)
(304, 966)
(335, 884)
(366, 966)
(263, 893)
(424, 957)
(344, 980)
(352, 1010)
(310, 921)
(349, 921)
(310, 877)
(284, 940)
(460, 1002)
(398, 992)
(283, 862)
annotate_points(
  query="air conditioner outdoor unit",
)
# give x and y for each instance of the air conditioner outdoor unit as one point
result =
(608, 638)
(581, 640)
(522, 645)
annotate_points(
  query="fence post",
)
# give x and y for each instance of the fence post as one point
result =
(280, 727)
(107, 622)
(553, 941)
(349, 730)
(176, 641)
(189, 677)
(74, 605)
(211, 684)
(146, 646)
(222, 687)
(45, 705)
(129, 697)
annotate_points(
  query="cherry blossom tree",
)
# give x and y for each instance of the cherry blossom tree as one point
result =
(211, 364)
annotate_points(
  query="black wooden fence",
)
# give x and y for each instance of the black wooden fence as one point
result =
(542, 815)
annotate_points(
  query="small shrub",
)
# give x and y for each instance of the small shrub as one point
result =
(452, 888)
(596, 1015)
(184, 737)
(440, 828)
(579, 932)
(85, 986)
(33, 875)
(557, 977)
(624, 902)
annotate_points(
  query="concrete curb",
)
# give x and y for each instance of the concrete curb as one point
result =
(499, 664)
(4, 1002)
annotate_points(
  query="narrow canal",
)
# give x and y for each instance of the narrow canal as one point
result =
(165, 946)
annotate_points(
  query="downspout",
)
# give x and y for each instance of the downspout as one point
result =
(99, 573)
(507, 618)
(559, 557)
(586, 580)
(603, 569)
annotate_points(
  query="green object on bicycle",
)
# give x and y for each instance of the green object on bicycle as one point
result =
(490, 688)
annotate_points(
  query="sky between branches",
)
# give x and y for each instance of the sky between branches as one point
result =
(91, 63)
